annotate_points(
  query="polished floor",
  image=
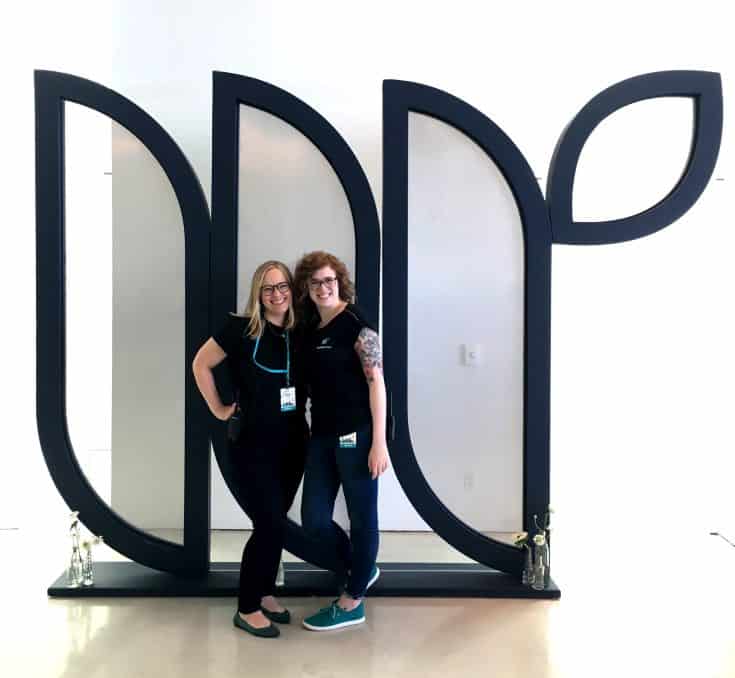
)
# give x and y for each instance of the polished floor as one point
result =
(633, 611)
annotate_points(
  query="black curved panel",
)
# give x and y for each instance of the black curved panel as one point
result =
(52, 90)
(704, 88)
(399, 98)
(230, 91)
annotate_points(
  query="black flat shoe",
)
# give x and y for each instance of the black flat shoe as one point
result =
(266, 632)
(278, 617)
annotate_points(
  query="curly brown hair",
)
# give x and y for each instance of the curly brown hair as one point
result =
(308, 265)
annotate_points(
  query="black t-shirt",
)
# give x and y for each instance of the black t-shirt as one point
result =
(259, 390)
(340, 399)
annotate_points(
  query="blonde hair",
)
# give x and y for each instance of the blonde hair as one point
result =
(255, 309)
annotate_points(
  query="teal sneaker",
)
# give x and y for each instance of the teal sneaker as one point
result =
(334, 617)
(374, 574)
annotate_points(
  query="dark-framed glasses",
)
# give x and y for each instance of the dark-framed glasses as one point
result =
(328, 282)
(270, 290)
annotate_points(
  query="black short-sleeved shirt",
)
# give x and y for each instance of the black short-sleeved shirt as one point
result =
(340, 399)
(259, 390)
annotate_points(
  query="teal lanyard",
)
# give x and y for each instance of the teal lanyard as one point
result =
(287, 371)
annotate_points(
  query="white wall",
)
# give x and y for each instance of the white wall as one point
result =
(89, 260)
(57, 37)
(642, 366)
(148, 329)
(465, 289)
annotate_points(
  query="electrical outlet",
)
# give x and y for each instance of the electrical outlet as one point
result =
(472, 354)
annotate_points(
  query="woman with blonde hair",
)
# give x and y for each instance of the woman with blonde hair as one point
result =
(344, 372)
(264, 352)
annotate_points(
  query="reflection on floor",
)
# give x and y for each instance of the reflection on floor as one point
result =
(619, 615)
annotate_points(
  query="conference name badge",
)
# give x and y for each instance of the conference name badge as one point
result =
(288, 399)
(350, 440)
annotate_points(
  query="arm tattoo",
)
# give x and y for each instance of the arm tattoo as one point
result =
(368, 348)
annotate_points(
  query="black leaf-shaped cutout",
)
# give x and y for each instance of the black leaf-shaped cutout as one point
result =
(706, 91)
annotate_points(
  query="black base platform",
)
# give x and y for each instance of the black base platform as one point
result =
(431, 580)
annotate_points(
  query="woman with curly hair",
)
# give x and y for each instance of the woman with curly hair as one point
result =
(344, 372)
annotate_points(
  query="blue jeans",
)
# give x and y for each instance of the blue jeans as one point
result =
(327, 467)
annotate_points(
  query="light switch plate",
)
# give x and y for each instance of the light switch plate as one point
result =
(472, 354)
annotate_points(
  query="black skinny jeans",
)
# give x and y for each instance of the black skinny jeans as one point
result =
(269, 472)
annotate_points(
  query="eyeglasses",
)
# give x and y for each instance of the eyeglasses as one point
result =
(270, 290)
(328, 282)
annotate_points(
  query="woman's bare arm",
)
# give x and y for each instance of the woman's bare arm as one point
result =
(208, 356)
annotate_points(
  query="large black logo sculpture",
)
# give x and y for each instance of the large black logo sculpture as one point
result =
(211, 271)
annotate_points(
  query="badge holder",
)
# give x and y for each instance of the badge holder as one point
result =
(348, 441)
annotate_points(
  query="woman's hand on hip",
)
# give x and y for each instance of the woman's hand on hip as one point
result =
(225, 412)
(378, 461)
